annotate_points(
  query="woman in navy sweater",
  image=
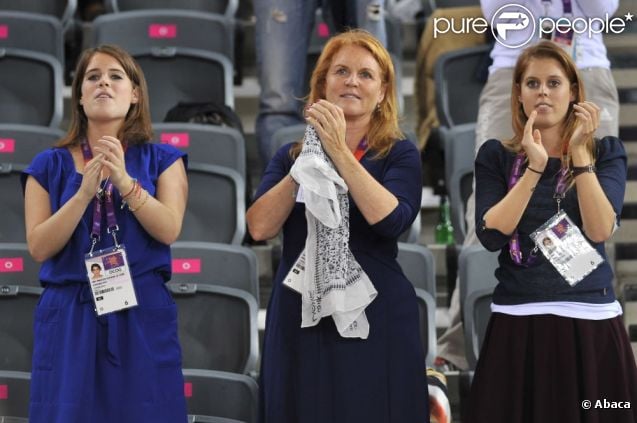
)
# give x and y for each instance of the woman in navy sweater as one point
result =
(556, 338)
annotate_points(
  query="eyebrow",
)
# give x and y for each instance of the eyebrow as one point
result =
(550, 76)
(110, 70)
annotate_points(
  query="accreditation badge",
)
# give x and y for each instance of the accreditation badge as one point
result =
(110, 280)
(563, 244)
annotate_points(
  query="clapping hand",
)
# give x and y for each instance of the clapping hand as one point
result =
(587, 114)
(112, 152)
(329, 121)
(532, 145)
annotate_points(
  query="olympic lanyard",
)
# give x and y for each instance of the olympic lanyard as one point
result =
(104, 195)
(361, 149)
(566, 5)
(560, 189)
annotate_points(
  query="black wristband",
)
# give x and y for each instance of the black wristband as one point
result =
(578, 170)
(533, 170)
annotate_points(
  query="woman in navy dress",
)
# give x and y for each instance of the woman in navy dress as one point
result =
(124, 366)
(314, 375)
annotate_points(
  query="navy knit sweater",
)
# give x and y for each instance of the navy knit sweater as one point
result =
(541, 282)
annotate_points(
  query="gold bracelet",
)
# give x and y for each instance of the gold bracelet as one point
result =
(141, 205)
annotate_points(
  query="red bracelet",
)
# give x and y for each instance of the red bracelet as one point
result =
(131, 190)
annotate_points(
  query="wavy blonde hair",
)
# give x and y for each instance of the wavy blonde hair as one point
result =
(384, 130)
(546, 50)
(137, 127)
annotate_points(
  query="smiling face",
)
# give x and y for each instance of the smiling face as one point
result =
(545, 87)
(107, 92)
(354, 82)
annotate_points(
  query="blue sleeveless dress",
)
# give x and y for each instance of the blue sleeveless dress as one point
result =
(122, 367)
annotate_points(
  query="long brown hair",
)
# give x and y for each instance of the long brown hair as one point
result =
(383, 130)
(137, 127)
(546, 50)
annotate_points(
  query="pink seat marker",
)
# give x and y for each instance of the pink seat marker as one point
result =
(11, 264)
(162, 31)
(176, 139)
(7, 145)
(192, 265)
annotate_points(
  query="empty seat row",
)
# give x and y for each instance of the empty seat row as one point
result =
(211, 396)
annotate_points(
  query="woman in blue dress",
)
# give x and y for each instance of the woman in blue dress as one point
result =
(105, 184)
(313, 374)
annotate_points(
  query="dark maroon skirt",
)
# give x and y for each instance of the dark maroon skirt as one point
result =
(546, 368)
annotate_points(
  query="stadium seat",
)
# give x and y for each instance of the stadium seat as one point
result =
(418, 265)
(21, 143)
(208, 144)
(176, 74)
(144, 29)
(33, 32)
(63, 10)
(216, 207)
(17, 267)
(14, 396)
(223, 7)
(459, 145)
(458, 86)
(12, 228)
(221, 395)
(476, 271)
(210, 263)
(217, 328)
(17, 305)
(30, 88)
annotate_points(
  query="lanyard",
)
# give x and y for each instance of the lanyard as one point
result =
(104, 195)
(361, 149)
(560, 189)
(567, 7)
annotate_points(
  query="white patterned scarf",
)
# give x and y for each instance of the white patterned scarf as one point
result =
(326, 274)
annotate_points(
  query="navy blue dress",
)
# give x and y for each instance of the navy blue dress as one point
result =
(313, 375)
(122, 367)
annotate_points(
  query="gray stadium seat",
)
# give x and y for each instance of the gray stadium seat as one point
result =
(34, 32)
(12, 228)
(63, 10)
(17, 305)
(17, 267)
(222, 395)
(458, 87)
(210, 263)
(209, 144)
(216, 207)
(418, 264)
(14, 401)
(217, 328)
(30, 88)
(476, 268)
(459, 144)
(222, 7)
(141, 29)
(21, 143)
(177, 74)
